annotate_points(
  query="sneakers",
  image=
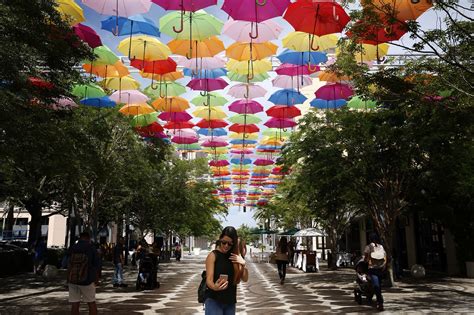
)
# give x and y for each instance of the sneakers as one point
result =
(282, 281)
(380, 307)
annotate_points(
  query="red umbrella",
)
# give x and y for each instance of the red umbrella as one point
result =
(184, 140)
(376, 34)
(241, 128)
(318, 18)
(178, 116)
(87, 35)
(283, 111)
(154, 66)
(152, 128)
(213, 123)
(178, 125)
(219, 163)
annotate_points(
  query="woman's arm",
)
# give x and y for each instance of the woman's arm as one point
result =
(220, 284)
(243, 272)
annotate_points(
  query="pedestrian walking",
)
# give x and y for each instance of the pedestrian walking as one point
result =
(225, 268)
(82, 275)
(177, 252)
(281, 257)
(376, 257)
(291, 252)
(118, 263)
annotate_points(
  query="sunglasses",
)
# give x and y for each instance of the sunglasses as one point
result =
(227, 243)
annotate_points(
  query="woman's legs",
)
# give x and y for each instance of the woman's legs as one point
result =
(375, 276)
(280, 265)
(212, 307)
(283, 270)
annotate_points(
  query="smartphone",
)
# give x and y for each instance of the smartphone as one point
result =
(224, 277)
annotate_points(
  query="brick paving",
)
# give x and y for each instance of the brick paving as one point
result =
(322, 292)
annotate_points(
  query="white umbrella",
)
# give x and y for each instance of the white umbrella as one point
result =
(309, 232)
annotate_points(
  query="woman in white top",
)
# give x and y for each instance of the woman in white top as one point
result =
(376, 257)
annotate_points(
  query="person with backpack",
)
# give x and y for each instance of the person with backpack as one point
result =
(225, 268)
(282, 258)
(376, 257)
(82, 274)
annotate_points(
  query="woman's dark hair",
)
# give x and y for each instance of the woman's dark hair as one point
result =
(374, 238)
(231, 232)
(283, 244)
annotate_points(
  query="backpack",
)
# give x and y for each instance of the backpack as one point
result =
(202, 290)
(377, 256)
(78, 268)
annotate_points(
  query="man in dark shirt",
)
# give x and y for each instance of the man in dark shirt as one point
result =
(85, 289)
(118, 263)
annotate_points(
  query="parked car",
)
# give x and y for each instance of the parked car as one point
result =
(14, 259)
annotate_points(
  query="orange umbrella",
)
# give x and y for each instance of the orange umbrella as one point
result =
(136, 109)
(401, 9)
(170, 76)
(205, 48)
(251, 51)
(171, 104)
(332, 77)
(117, 70)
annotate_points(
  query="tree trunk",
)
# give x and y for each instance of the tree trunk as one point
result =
(10, 220)
(34, 208)
(332, 245)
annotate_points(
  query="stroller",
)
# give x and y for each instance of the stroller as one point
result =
(147, 273)
(363, 283)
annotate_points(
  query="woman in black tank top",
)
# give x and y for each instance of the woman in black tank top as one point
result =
(225, 267)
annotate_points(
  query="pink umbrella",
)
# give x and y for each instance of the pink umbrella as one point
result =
(240, 31)
(213, 143)
(219, 163)
(184, 133)
(246, 151)
(178, 116)
(205, 63)
(245, 107)
(295, 70)
(207, 84)
(262, 162)
(244, 90)
(129, 97)
(290, 82)
(334, 91)
(124, 8)
(186, 5)
(254, 10)
(280, 123)
(63, 103)
(87, 35)
(184, 140)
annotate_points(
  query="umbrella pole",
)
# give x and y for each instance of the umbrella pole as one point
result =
(130, 42)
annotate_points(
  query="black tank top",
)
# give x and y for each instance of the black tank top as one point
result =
(223, 265)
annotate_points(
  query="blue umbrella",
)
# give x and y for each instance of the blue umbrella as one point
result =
(208, 74)
(287, 97)
(135, 24)
(217, 132)
(104, 101)
(240, 141)
(241, 161)
(302, 58)
(328, 104)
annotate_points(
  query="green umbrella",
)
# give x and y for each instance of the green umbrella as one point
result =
(289, 231)
(89, 90)
(276, 131)
(245, 119)
(165, 89)
(104, 56)
(233, 76)
(196, 25)
(262, 231)
(211, 99)
(188, 147)
(358, 103)
(144, 120)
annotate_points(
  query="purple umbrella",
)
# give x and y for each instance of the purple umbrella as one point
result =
(280, 123)
(245, 107)
(334, 91)
(87, 35)
(255, 10)
(178, 116)
(207, 84)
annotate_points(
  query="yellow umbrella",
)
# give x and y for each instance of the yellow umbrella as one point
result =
(249, 136)
(242, 67)
(251, 51)
(171, 104)
(206, 48)
(208, 113)
(300, 41)
(144, 47)
(107, 71)
(70, 11)
(123, 83)
(332, 77)
(170, 76)
(272, 142)
(218, 150)
(136, 109)
(243, 146)
(371, 52)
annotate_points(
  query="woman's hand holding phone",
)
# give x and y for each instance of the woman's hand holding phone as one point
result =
(222, 282)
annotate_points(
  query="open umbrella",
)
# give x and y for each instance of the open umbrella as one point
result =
(334, 91)
(400, 9)
(301, 41)
(170, 104)
(245, 119)
(358, 103)
(282, 111)
(289, 82)
(70, 11)
(145, 48)
(281, 123)
(175, 116)
(208, 47)
(295, 70)
(207, 84)
(144, 120)
(211, 99)
(240, 31)
(328, 104)
(249, 91)
(245, 106)
(136, 24)
(87, 35)
(251, 51)
(178, 125)
(287, 97)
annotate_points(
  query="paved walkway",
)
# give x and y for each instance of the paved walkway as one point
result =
(323, 292)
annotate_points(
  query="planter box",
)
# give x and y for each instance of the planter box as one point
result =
(470, 269)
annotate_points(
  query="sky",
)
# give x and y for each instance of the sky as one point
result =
(236, 216)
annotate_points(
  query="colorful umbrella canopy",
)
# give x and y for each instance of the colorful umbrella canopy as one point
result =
(213, 123)
(122, 83)
(208, 47)
(145, 48)
(170, 104)
(205, 74)
(217, 132)
(209, 113)
(301, 41)
(302, 58)
(144, 120)
(210, 99)
(315, 17)
(103, 101)
(107, 71)
(244, 119)
(70, 11)
(88, 90)
(241, 128)
(155, 66)
(245, 106)
(250, 91)
(87, 35)
(295, 70)
(328, 104)
(185, 5)
(104, 56)
(206, 63)
(358, 103)
(281, 111)
(250, 51)
(332, 77)
(165, 89)
(136, 24)
(280, 123)
(136, 109)
(207, 84)
(129, 96)
(376, 34)
(240, 31)
(400, 9)
(175, 116)
(334, 91)
(247, 78)
(178, 125)
(254, 11)
(243, 67)
(119, 7)
(290, 82)
(195, 25)
(287, 97)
